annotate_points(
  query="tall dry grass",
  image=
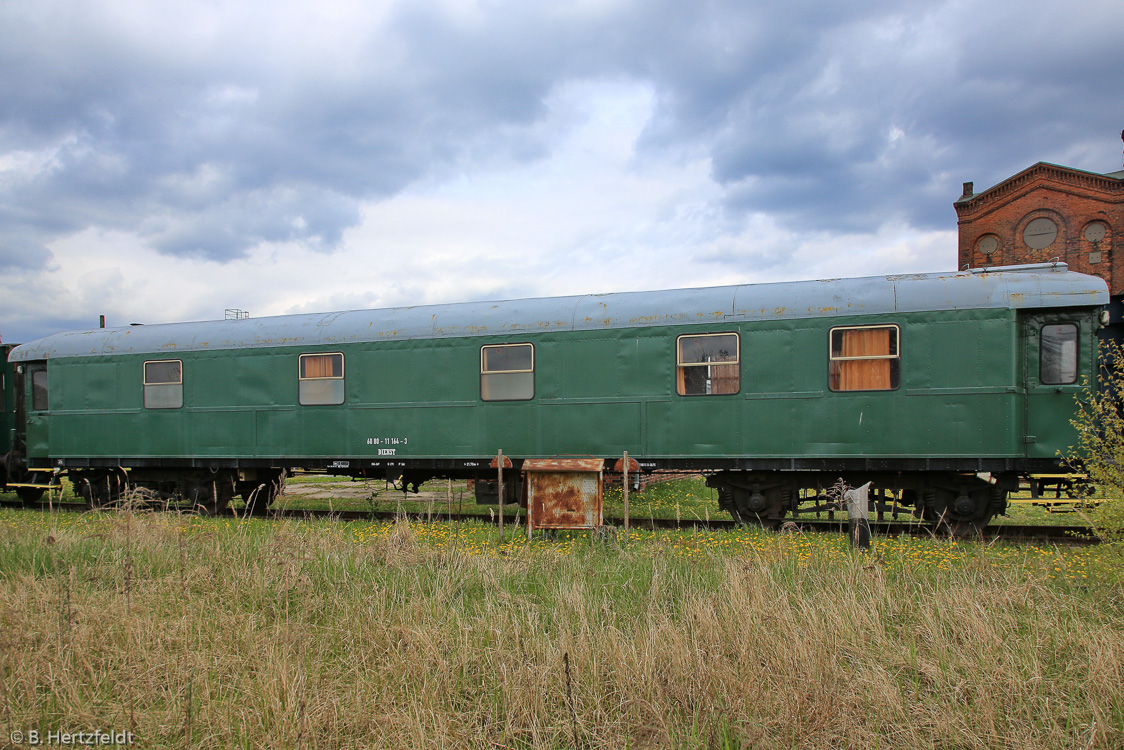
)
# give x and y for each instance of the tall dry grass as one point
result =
(284, 635)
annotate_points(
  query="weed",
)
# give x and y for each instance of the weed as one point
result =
(251, 633)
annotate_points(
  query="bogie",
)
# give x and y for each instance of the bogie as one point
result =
(959, 504)
(963, 508)
(754, 498)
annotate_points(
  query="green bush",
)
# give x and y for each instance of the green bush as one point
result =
(1099, 452)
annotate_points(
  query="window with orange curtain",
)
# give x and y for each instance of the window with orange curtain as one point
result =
(707, 364)
(321, 366)
(321, 379)
(865, 358)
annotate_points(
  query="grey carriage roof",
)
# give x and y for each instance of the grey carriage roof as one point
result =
(1049, 285)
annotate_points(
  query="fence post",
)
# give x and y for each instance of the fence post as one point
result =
(499, 498)
(530, 503)
(858, 516)
(624, 484)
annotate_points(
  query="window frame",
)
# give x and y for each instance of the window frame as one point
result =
(301, 378)
(1076, 352)
(895, 357)
(144, 372)
(40, 391)
(736, 362)
(300, 368)
(485, 372)
(155, 387)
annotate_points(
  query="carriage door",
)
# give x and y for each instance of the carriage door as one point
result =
(7, 404)
(1055, 351)
(36, 401)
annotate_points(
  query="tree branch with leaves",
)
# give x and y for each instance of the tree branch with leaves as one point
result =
(1099, 453)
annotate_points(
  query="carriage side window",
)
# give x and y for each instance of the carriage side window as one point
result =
(865, 358)
(39, 389)
(321, 379)
(163, 384)
(1057, 364)
(707, 364)
(507, 372)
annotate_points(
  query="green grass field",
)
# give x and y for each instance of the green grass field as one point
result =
(219, 632)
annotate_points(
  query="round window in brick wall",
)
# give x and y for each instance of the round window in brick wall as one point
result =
(1095, 231)
(988, 244)
(1040, 233)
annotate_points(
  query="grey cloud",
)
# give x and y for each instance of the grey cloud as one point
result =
(22, 253)
(827, 115)
(886, 118)
(305, 213)
(294, 155)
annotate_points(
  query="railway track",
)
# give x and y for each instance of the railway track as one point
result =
(1074, 535)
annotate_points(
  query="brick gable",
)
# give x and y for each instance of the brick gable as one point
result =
(1071, 199)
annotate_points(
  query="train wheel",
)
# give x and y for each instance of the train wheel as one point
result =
(260, 495)
(82, 488)
(211, 497)
(726, 502)
(753, 504)
(102, 489)
(29, 494)
(963, 511)
(776, 501)
(208, 505)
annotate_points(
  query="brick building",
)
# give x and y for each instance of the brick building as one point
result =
(1043, 213)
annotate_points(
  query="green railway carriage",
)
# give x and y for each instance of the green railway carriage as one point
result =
(7, 410)
(942, 387)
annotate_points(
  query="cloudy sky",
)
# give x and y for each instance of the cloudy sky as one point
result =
(165, 161)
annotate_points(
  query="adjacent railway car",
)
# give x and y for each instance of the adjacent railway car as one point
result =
(7, 411)
(942, 389)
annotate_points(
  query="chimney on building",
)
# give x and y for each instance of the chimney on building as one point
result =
(969, 190)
